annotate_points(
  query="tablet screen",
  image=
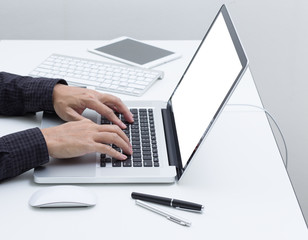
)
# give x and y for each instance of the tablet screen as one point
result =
(134, 51)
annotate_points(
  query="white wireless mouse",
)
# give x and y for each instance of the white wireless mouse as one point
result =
(62, 196)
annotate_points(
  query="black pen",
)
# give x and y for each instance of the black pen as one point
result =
(180, 204)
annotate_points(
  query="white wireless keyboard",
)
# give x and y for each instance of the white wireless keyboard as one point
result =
(100, 75)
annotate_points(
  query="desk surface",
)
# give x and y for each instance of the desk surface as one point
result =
(238, 173)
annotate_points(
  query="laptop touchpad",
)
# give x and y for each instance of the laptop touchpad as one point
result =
(73, 167)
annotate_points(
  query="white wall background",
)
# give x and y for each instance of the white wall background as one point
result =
(274, 33)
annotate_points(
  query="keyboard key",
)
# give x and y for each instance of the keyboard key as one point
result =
(147, 157)
(137, 159)
(146, 153)
(103, 163)
(137, 86)
(137, 150)
(137, 164)
(108, 160)
(136, 155)
(116, 162)
(134, 110)
(147, 164)
(127, 163)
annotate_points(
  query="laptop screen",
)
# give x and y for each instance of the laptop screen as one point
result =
(206, 84)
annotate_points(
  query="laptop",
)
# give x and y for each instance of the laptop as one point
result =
(172, 130)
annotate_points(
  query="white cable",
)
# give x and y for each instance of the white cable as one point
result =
(271, 117)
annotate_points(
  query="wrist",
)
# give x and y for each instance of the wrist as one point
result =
(47, 134)
(58, 91)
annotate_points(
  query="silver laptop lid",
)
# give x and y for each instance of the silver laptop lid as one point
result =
(206, 85)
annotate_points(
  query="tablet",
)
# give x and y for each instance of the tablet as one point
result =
(135, 52)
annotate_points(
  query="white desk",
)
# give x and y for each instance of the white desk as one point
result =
(238, 173)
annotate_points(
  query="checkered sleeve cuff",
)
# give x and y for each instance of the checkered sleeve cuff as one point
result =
(38, 94)
(22, 151)
(22, 94)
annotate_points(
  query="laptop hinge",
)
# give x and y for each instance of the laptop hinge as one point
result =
(172, 145)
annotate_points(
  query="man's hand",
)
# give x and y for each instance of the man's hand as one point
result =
(70, 102)
(77, 138)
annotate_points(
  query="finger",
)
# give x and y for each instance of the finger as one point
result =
(114, 138)
(105, 111)
(114, 129)
(110, 115)
(103, 148)
(116, 103)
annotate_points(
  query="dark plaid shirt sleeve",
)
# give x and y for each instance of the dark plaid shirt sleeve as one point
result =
(27, 149)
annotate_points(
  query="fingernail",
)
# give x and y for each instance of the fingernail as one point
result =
(123, 157)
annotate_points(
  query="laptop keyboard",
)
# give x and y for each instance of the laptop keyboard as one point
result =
(100, 75)
(142, 137)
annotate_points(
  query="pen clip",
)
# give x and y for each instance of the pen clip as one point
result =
(178, 221)
(190, 210)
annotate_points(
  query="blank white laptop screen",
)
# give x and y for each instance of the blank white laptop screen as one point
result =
(203, 87)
